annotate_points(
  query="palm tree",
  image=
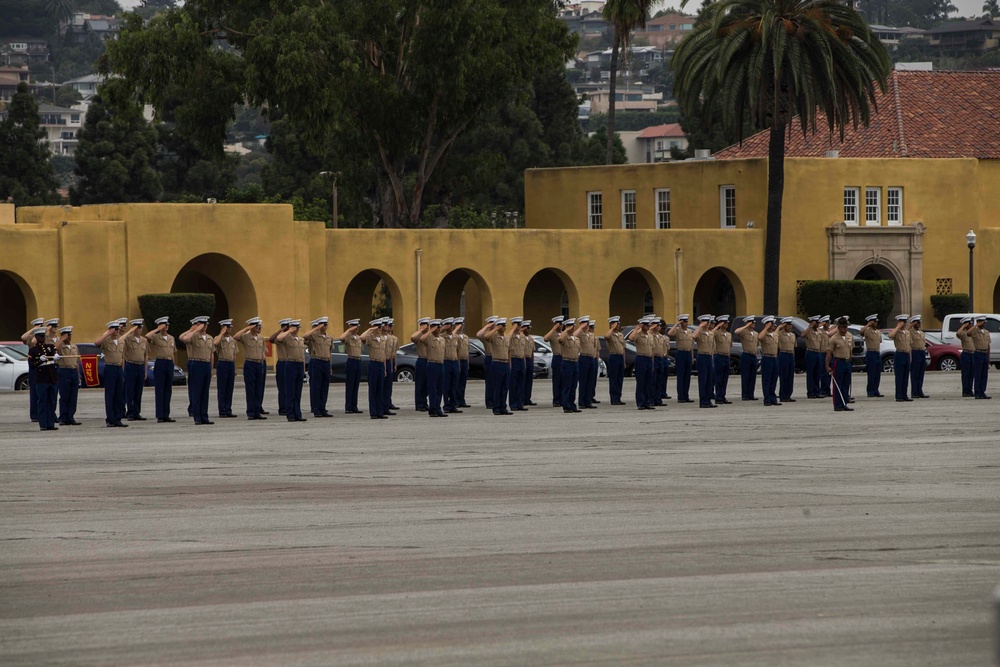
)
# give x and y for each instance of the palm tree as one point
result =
(625, 16)
(991, 7)
(772, 60)
(60, 10)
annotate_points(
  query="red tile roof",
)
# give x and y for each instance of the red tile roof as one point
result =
(656, 131)
(921, 114)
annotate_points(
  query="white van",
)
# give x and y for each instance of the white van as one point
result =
(953, 322)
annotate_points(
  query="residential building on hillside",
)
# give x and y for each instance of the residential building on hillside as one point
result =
(655, 142)
(23, 51)
(86, 85)
(9, 78)
(666, 30)
(625, 99)
(81, 25)
(891, 37)
(982, 34)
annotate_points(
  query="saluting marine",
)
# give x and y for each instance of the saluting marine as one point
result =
(280, 363)
(705, 339)
(500, 368)
(420, 369)
(587, 363)
(748, 358)
(164, 348)
(901, 361)
(375, 341)
(68, 369)
(225, 368)
(254, 365)
(391, 348)
(918, 358)
(200, 348)
(114, 382)
(569, 375)
(873, 356)
(981, 338)
(529, 362)
(295, 369)
(968, 358)
(645, 376)
(42, 356)
(683, 357)
(320, 365)
(136, 357)
(434, 344)
(463, 361)
(769, 361)
(450, 385)
(616, 359)
(723, 346)
(353, 346)
(516, 355)
(786, 361)
(552, 338)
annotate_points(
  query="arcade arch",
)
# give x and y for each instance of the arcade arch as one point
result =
(213, 273)
(463, 292)
(17, 305)
(373, 293)
(719, 291)
(635, 293)
(550, 292)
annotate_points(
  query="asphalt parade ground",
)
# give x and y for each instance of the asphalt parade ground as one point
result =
(738, 536)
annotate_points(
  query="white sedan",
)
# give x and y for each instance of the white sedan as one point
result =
(13, 368)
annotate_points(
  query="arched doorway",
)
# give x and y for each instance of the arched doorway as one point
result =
(222, 276)
(719, 292)
(635, 293)
(996, 297)
(463, 292)
(372, 294)
(17, 306)
(550, 292)
(883, 272)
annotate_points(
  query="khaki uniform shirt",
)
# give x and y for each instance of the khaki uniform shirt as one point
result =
(64, 351)
(814, 339)
(556, 345)
(660, 344)
(643, 344)
(451, 347)
(353, 344)
(295, 349)
(616, 343)
(768, 344)
(320, 346)
(254, 347)
(841, 346)
(748, 339)
(500, 345)
(281, 354)
(684, 339)
(588, 344)
(528, 348)
(723, 342)
(917, 340)
(421, 347)
(786, 341)
(901, 339)
(392, 348)
(114, 351)
(571, 347)
(706, 341)
(968, 341)
(873, 340)
(825, 341)
(201, 347)
(435, 349)
(376, 347)
(162, 346)
(226, 349)
(135, 349)
(981, 337)
(463, 347)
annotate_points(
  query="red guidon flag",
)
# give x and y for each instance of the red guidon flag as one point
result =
(90, 376)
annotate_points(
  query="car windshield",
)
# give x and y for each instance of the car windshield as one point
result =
(13, 353)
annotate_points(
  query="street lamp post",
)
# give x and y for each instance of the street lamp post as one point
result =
(970, 239)
(334, 175)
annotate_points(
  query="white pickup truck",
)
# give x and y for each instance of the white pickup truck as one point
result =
(953, 322)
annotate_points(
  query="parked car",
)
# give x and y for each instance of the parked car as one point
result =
(406, 361)
(953, 322)
(13, 367)
(180, 378)
(543, 360)
(943, 356)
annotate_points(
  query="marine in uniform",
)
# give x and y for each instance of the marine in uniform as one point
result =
(643, 340)
(420, 369)
(981, 338)
(500, 368)
(200, 347)
(587, 363)
(375, 341)
(68, 370)
(529, 362)
(723, 346)
(353, 346)
(451, 367)
(705, 339)
(43, 357)
(114, 382)
(320, 345)
(28, 338)
(225, 368)
(295, 370)
(616, 359)
(748, 358)
(163, 348)
(254, 364)
(516, 354)
(391, 348)
(814, 358)
(280, 363)
(136, 357)
(838, 364)
(828, 330)
(873, 355)
(786, 360)
(901, 360)
(569, 374)
(552, 338)
(769, 361)
(918, 358)
(660, 374)
(683, 357)
(434, 344)
(967, 359)
(463, 362)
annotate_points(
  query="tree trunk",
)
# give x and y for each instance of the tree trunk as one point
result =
(772, 239)
(609, 157)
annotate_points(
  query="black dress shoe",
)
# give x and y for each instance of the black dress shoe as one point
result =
(686, 400)
(883, 395)
(264, 412)
(281, 413)
(967, 395)
(595, 401)
(466, 405)
(424, 409)
(441, 414)
(120, 425)
(208, 423)
(984, 397)
(532, 403)
(565, 410)
(227, 416)
(708, 406)
(904, 400)
(140, 418)
(169, 420)
(788, 400)
(394, 407)
(455, 411)
(50, 428)
(522, 409)
(382, 417)
(432, 414)
(389, 414)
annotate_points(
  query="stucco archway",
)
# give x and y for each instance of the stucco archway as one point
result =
(996, 297)
(213, 273)
(635, 293)
(17, 305)
(884, 271)
(719, 291)
(898, 251)
(550, 292)
(463, 292)
(373, 293)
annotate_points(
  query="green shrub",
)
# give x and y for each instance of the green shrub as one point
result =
(854, 298)
(946, 304)
(181, 308)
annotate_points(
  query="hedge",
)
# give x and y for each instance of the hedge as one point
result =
(181, 308)
(946, 304)
(854, 298)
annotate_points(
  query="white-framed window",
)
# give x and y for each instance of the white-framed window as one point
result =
(595, 210)
(894, 206)
(851, 206)
(727, 206)
(663, 208)
(628, 209)
(873, 206)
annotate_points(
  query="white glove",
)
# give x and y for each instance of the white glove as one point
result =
(56, 357)
(43, 358)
